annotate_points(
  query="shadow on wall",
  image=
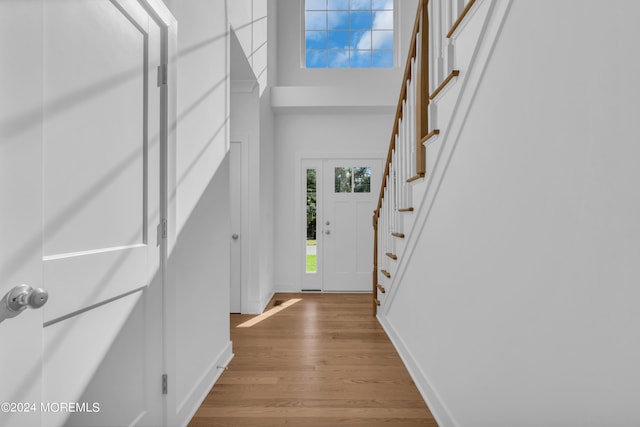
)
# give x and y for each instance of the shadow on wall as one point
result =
(200, 264)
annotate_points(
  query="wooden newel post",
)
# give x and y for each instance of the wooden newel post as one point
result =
(375, 262)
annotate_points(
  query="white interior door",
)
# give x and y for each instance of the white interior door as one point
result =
(101, 209)
(80, 194)
(20, 206)
(350, 194)
(235, 183)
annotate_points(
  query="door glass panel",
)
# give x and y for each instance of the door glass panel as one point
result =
(311, 246)
(343, 181)
(361, 179)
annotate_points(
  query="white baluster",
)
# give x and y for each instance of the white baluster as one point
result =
(401, 150)
(394, 197)
(456, 10)
(460, 7)
(403, 145)
(391, 196)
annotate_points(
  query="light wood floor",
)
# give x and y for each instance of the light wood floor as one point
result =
(324, 361)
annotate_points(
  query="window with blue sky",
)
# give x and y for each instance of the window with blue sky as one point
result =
(349, 33)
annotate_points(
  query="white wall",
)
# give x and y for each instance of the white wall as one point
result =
(291, 38)
(360, 83)
(266, 273)
(520, 303)
(324, 113)
(249, 19)
(252, 125)
(301, 136)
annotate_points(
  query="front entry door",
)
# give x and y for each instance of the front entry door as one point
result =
(344, 235)
(80, 203)
(350, 194)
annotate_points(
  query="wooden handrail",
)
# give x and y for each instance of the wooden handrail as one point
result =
(403, 95)
(445, 82)
(460, 18)
(430, 135)
(415, 177)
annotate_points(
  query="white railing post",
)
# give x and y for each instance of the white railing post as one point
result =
(460, 7)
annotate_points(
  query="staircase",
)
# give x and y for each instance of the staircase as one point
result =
(450, 45)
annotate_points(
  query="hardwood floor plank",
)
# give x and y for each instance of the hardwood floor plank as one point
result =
(323, 361)
(311, 422)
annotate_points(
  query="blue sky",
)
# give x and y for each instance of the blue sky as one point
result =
(349, 33)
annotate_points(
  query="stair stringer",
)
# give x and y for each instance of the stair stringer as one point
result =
(441, 151)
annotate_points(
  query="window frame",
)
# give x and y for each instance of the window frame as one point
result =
(395, 49)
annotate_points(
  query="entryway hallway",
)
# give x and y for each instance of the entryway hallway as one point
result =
(323, 360)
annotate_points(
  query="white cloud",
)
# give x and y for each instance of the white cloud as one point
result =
(365, 40)
(383, 20)
(314, 35)
(360, 4)
(315, 5)
(383, 4)
(315, 20)
(338, 20)
(338, 59)
(382, 40)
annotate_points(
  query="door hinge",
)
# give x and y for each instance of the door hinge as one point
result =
(162, 75)
(165, 386)
(161, 231)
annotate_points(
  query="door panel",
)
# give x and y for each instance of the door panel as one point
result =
(74, 350)
(96, 157)
(341, 242)
(348, 235)
(20, 203)
(94, 127)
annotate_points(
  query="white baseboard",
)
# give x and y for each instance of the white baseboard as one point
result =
(199, 392)
(430, 396)
(265, 302)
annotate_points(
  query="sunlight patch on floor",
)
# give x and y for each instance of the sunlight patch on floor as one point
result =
(268, 313)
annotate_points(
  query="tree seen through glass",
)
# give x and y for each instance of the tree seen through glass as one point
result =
(311, 246)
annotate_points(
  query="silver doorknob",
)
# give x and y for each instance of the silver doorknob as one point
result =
(23, 296)
(19, 298)
(327, 232)
(234, 236)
